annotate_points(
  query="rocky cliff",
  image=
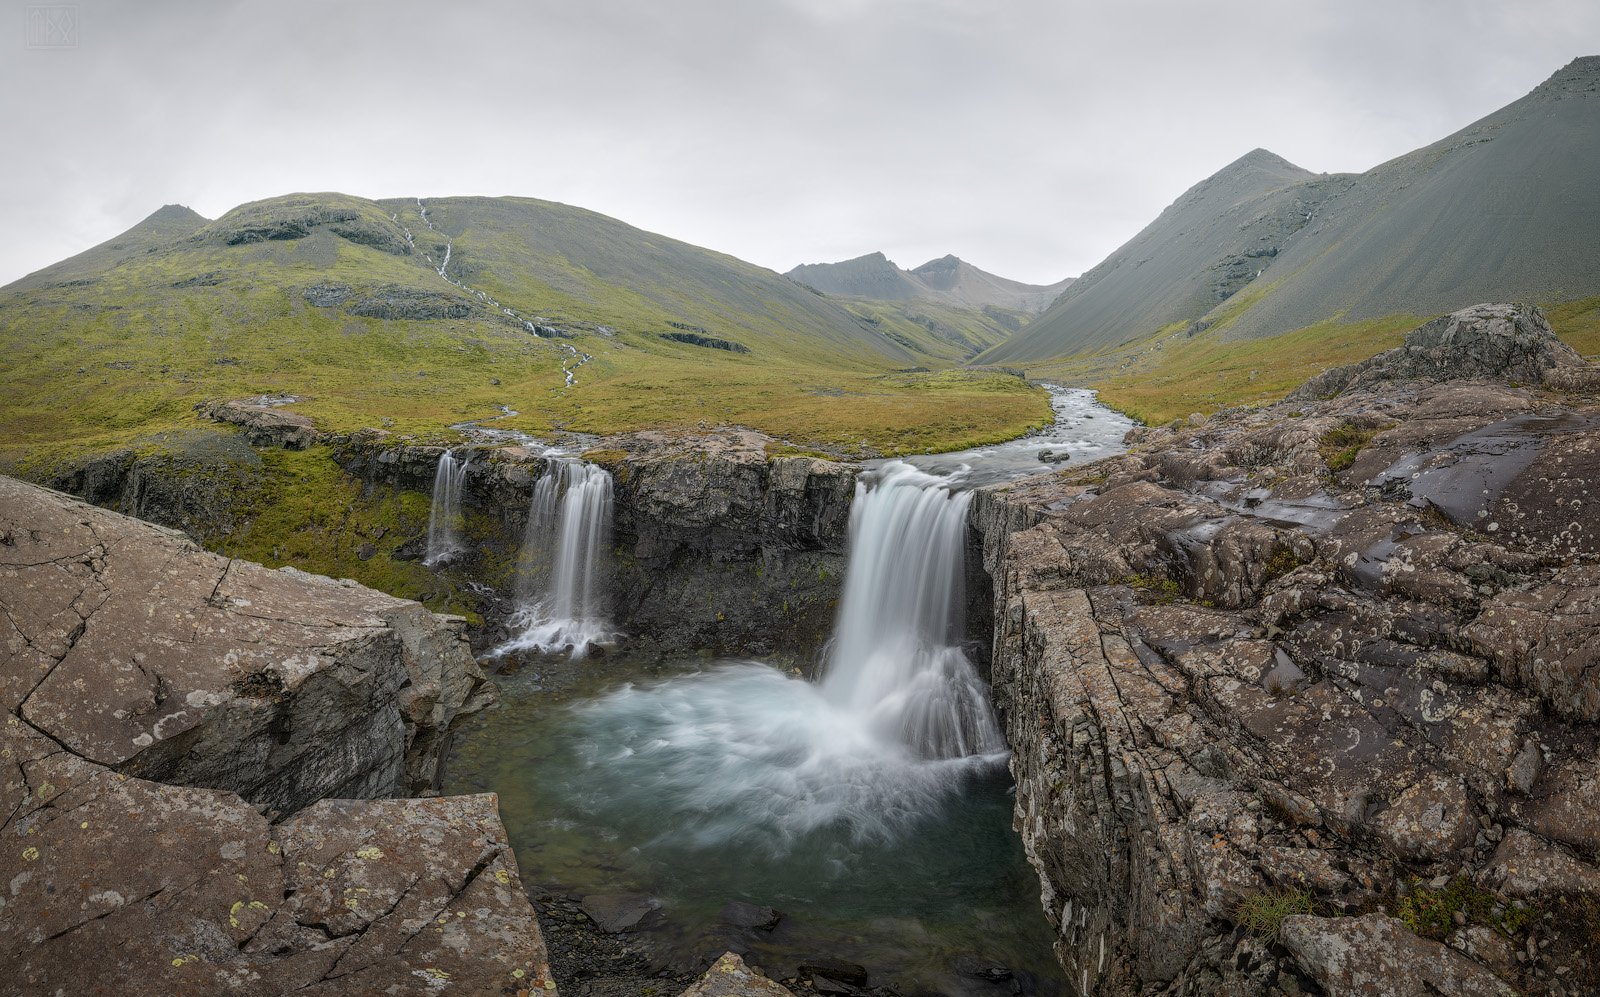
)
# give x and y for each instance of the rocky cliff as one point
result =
(176, 724)
(717, 546)
(1336, 656)
(723, 548)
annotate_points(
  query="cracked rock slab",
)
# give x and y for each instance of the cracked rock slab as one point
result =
(134, 648)
(392, 896)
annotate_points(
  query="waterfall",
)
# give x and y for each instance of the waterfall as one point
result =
(444, 518)
(896, 657)
(561, 575)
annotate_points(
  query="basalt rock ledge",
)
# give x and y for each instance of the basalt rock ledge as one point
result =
(1338, 649)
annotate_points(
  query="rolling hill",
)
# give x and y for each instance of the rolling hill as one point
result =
(420, 314)
(1504, 209)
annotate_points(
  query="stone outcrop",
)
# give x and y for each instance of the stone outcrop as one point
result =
(730, 977)
(1375, 954)
(281, 686)
(265, 424)
(1344, 647)
(131, 656)
(1508, 342)
(396, 302)
(199, 481)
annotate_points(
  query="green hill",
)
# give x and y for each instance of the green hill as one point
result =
(341, 301)
(1505, 209)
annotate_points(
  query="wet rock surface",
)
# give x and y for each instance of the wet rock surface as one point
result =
(593, 962)
(131, 656)
(1262, 653)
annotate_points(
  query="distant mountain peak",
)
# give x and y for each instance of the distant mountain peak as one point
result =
(176, 212)
(1503, 209)
(1263, 160)
(947, 280)
(1581, 75)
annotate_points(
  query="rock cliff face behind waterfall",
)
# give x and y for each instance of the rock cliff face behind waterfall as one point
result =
(718, 546)
(1341, 651)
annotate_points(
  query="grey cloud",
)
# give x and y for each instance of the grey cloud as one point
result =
(1030, 137)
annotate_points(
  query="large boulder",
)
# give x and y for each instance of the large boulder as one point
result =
(730, 977)
(124, 886)
(175, 724)
(134, 648)
(1503, 342)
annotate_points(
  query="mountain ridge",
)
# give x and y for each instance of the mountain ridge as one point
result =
(947, 280)
(1502, 209)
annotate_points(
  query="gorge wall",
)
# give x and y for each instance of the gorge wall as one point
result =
(1337, 655)
(716, 546)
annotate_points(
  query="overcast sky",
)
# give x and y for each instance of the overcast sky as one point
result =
(1029, 137)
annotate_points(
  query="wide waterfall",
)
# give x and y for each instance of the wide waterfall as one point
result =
(561, 574)
(896, 658)
(742, 754)
(444, 518)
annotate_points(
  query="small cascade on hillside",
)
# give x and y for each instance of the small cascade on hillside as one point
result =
(561, 575)
(444, 518)
(896, 658)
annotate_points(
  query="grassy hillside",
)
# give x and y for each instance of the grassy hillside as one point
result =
(1504, 210)
(1171, 375)
(325, 297)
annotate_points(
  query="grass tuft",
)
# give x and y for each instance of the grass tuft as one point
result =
(1262, 914)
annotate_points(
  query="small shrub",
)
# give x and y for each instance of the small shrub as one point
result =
(1340, 446)
(1282, 561)
(1159, 588)
(1431, 912)
(1262, 914)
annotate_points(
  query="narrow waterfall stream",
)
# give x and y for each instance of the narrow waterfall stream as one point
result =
(872, 807)
(444, 516)
(561, 569)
